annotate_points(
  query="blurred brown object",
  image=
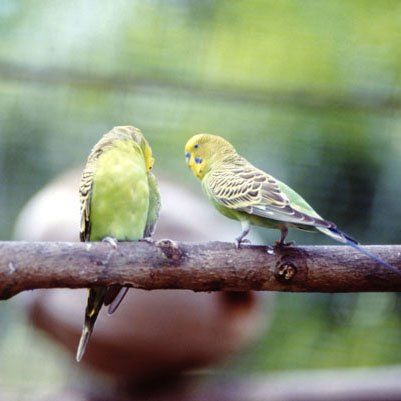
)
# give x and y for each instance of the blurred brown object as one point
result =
(153, 334)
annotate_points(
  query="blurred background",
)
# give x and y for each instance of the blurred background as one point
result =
(309, 91)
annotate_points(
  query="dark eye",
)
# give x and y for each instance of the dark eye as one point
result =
(196, 146)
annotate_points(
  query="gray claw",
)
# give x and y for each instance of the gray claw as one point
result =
(270, 250)
(238, 242)
(149, 240)
(111, 241)
(279, 244)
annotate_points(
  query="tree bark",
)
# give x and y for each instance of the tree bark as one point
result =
(210, 266)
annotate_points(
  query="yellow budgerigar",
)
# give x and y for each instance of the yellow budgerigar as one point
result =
(245, 193)
(120, 201)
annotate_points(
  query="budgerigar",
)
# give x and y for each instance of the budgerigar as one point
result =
(119, 201)
(243, 192)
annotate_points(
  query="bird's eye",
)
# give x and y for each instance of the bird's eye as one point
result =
(196, 146)
(198, 160)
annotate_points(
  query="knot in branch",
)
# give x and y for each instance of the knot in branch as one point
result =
(170, 249)
(285, 272)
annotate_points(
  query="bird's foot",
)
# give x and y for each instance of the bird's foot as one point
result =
(111, 241)
(238, 242)
(282, 244)
(149, 240)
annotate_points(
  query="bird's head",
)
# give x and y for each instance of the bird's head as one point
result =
(203, 151)
(130, 133)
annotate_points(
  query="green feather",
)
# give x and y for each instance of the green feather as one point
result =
(119, 199)
(154, 206)
(243, 192)
(120, 194)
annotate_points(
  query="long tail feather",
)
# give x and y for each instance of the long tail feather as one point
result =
(117, 300)
(374, 257)
(114, 296)
(340, 236)
(95, 303)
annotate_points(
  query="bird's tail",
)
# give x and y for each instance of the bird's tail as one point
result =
(115, 295)
(95, 303)
(341, 236)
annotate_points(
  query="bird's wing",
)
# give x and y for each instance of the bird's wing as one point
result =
(154, 206)
(250, 190)
(85, 195)
(86, 184)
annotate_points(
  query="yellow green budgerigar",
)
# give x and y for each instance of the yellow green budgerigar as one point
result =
(243, 192)
(120, 201)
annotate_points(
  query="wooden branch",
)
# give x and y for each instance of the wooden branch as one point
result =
(199, 267)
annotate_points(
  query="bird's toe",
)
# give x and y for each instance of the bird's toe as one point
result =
(111, 241)
(149, 240)
(280, 244)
